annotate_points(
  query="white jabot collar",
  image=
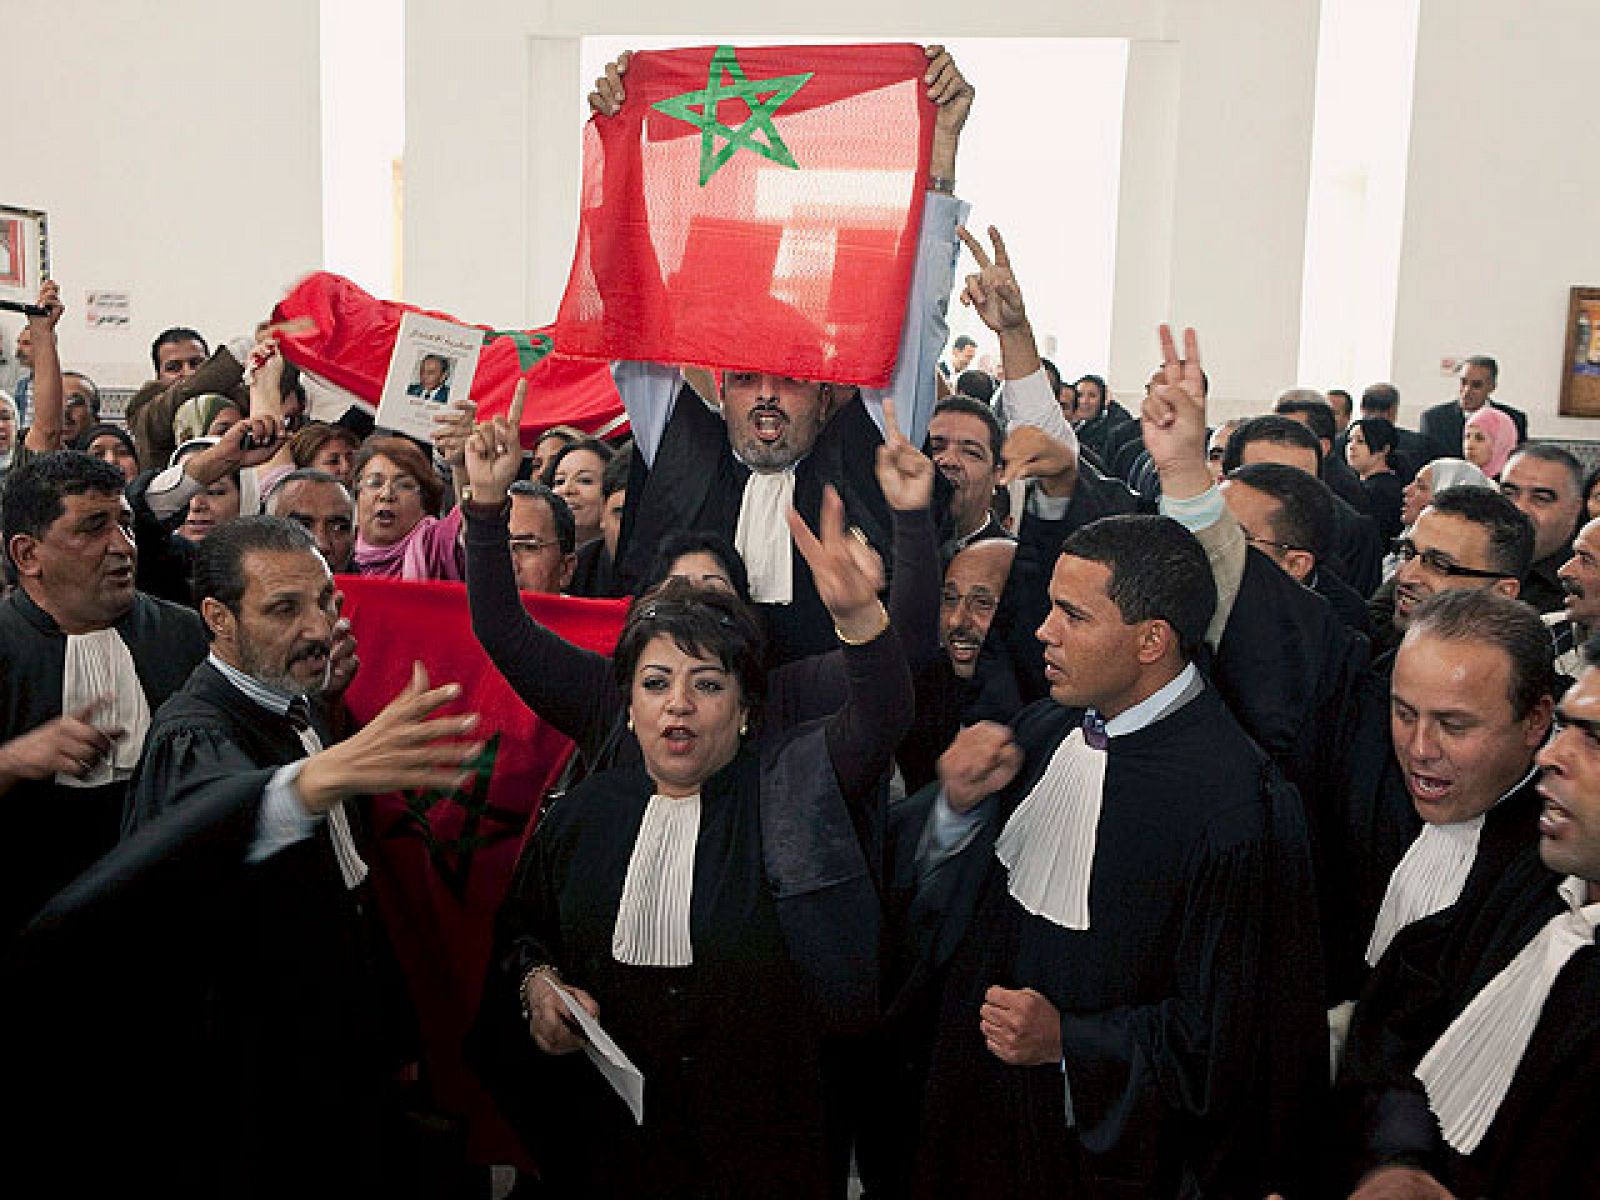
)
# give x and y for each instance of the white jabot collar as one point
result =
(1431, 876)
(1048, 844)
(652, 928)
(99, 666)
(1470, 1068)
(762, 536)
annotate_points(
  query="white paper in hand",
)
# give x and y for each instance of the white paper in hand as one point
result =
(605, 1053)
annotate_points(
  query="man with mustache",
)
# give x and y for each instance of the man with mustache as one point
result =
(1546, 484)
(965, 440)
(87, 659)
(1579, 619)
(280, 1023)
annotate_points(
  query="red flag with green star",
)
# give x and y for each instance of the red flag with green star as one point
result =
(754, 209)
(351, 335)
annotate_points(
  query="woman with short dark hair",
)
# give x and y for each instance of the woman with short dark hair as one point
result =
(712, 906)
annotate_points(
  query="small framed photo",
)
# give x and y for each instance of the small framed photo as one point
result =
(1580, 368)
(24, 253)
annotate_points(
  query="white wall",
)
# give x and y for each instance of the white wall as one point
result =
(176, 150)
(1210, 229)
(1242, 166)
(495, 98)
(1501, 198)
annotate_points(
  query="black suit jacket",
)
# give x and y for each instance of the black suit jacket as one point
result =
(1444, 424)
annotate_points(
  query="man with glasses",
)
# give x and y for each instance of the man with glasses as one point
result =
(973, 583)
(542, 536)
(1466, 538)
(1288, 516)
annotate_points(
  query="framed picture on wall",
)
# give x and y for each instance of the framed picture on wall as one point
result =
(1580, 368)
(24, 253)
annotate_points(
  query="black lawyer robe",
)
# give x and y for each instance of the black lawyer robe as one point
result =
(1377, 824)
(53, 832)
(1192, 1026)
(304, 1015)
(697, 483)
(785, 925)
(1539, 1145)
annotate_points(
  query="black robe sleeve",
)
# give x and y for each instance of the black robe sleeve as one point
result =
(181, 762)
(566, 685)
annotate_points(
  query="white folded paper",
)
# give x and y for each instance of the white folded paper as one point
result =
(605, 1054)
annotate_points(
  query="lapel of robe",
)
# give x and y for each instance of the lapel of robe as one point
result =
(822, 890)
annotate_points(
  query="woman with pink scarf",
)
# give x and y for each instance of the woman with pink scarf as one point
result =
(399, 533)
(1488, 440)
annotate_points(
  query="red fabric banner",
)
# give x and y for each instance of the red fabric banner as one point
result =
(754, 209)
(354, 338)
(442, 862)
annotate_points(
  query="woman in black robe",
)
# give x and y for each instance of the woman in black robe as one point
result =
(776, 934)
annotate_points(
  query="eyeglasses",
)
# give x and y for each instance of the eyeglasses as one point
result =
(1253, 540)
(980, 600)
(531, 545)
(1436, 562)
(403, 485)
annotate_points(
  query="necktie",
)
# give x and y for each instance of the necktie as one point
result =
(1094, 730)
(351, 866)
(299, 714)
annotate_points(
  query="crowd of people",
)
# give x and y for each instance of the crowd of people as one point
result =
(994, 788)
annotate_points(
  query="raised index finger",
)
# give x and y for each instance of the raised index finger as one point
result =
(979, 254)
(518, 398)
(891, 427)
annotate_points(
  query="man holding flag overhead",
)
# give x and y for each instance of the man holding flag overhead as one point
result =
(778, 215)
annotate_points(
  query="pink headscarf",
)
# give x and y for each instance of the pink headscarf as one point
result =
(1502, 432)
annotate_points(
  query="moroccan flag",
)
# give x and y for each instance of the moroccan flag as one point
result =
(754, 209)
(442, 862)
(354, 338)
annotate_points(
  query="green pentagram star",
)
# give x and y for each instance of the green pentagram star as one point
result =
(777, 90)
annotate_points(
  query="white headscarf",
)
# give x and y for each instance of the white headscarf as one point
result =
(1455, 472)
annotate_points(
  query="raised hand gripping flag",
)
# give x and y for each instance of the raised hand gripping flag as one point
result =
(353, 337)
(754, 209)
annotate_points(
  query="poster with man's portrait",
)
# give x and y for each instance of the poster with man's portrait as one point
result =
(433, 364)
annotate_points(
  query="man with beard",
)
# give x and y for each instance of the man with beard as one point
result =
(285, 1025)
(964, 441)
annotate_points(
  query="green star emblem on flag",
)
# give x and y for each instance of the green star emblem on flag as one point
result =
(700, 110)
